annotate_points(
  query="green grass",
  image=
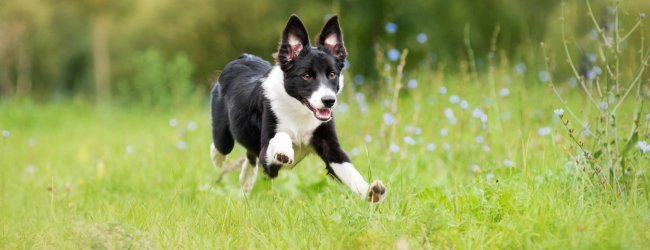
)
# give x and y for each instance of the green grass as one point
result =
(67, 181)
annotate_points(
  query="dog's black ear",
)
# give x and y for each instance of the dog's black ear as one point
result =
(331, 40)
(294, 41)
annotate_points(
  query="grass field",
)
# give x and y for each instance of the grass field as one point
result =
(73, 176)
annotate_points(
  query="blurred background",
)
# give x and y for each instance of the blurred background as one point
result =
(161, 52)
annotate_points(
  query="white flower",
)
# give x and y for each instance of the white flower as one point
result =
(643, 146)
(504, 92)
(394, 148)
(559, 112)
(173, 122)
(486, 149)
(409, 140)
(191, 126)
(454, 99)
(181, 145)
(5, 133)
(464, 104)
(544, 131)
(129, 149)
(449, 114)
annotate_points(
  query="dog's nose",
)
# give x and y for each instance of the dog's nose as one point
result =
(328, 100)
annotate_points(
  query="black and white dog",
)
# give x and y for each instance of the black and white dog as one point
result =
(282, 113)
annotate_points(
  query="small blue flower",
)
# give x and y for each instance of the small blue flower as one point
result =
(643, 146)
(431, 147)
(422, 38)
(412, 84)
(191, 126)
(173, 122)
(504, 92)
(409, 140)
(5, 133)
(358, 79)
(559, 112)
(442, 90)
(355, 151)
(393, 148)
(544, 131)
(508, 163)
(388, 119)
(129, 149)
(520, 68)
(181, 145)
(464, 104)
(544, 76)
(391, 27)
(454, 99)
(443, 132)
(393, 54)
(367, 138)
(479, 139)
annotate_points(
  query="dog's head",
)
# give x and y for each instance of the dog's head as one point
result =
(312, 75)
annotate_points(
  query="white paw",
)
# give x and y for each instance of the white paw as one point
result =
(280, 150)
(247, 177)
(376, 192)
(217, 158)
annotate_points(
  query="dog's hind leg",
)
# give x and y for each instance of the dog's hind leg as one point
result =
(222, 140)
(248, 173)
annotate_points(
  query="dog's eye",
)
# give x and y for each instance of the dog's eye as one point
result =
(307, 77)
(332, 75)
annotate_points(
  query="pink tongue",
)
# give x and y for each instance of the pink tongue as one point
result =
(324, 112)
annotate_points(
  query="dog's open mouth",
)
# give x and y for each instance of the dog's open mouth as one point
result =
(324, 114)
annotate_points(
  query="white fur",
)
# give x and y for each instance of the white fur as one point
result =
(315, 98)
(294, 118)
(217, 158)
(247, 177)
(279, 144)
(341, 83)
(331, 40)
(351, 177)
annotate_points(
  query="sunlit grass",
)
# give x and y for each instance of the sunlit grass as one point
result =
(75, 176)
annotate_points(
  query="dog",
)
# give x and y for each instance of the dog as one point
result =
(282, 113)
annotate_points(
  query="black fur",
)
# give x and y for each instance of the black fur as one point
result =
(241, 112)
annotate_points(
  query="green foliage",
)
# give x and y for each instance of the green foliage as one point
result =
(157, 82)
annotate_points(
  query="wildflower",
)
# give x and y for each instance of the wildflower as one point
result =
(417, 131)
(454, 99)
(559, 112)
(191, 126)
(355, 151)
(422, 38)
(544, 76)
(173, 122)
(642, 15)
(442, 90)
(544, 131)
(486, 149)
(431, 147)
(476, 169)
(449, 114)
(464, 104)
(484, 118)
(388, 119)
(446, 146)
(5, 133)
(647, 117)
(520, 68)
(643, 146)
(508, 163)
(593, 34)
(409, 140)
(393, 148)
(359, 79)
(489, 177)
(443, 132)
(391, 27)
(477, 113)
(393, 54)
(603, 105)
(31, 169)
(367, 138)
(479, 139)
(181, 145)
(504, 92)
(129, 149)
(412, 84)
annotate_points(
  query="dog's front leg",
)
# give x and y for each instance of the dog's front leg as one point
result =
(339, 166)
(277, 147)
